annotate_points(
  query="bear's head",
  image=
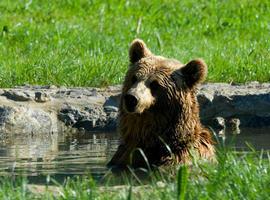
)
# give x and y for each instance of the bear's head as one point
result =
(155, 83)
(159, 112)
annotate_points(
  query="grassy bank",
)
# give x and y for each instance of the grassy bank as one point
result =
(85, 43)
(244, 176)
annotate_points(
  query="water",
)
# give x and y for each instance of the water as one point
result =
(257, 139)
(57, 155)
(62, 155)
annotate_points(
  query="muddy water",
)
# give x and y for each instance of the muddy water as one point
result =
(62, 155)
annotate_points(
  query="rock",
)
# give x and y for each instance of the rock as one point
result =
(90, 118)
(21, 120)
(17, 95)
(93, 118)
(96, 109)
(113, 101)
(5, 112)
(52, 87)
(245, 102)
(233, 124)
(218, 123)
(109, 109)
(69, 115)
(41, 97)
(111, 116)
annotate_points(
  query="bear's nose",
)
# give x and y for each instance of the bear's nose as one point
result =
(131, 102)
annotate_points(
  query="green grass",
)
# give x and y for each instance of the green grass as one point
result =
(85, 42)
(235, 176)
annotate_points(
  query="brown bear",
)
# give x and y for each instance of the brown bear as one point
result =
(159, 120)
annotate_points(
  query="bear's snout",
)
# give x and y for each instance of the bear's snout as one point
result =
(130, 102)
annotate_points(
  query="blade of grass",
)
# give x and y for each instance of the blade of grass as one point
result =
(182, 180)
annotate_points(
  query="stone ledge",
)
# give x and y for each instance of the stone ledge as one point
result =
(42, 109)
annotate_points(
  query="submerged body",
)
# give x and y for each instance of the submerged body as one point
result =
(159, 114)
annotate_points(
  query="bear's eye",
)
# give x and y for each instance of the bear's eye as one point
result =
(154, 85)
(134, 79)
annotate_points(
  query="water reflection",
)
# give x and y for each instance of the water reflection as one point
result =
(258, 138)
(62, 155)
(57, 155)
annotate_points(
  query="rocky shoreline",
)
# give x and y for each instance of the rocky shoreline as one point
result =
(43, 109)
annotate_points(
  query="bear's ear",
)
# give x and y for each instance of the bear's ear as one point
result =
(194, 72)
(138, 50)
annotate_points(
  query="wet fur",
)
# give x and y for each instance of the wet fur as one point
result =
(169, 129)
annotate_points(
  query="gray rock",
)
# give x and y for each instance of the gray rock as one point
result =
(17, 95)
(250, 103)
(41, 97)
(113, 100)
(109, 109)
(5, 112)
(218, 123)
(69, 115)
(90, 118)
(21, 120)
(92, 109)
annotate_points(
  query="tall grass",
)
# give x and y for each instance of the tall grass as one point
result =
(85, 43)
(234, 176)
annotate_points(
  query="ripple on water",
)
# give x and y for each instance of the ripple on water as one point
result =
(62, 155)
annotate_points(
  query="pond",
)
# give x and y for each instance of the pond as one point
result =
(62, 155)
